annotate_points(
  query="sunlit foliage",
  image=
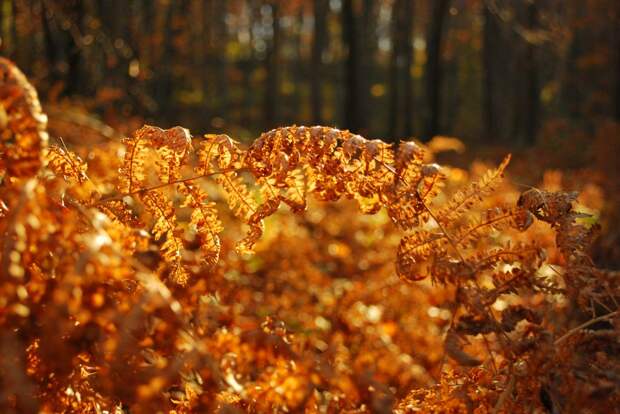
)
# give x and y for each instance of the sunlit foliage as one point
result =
(159, 274)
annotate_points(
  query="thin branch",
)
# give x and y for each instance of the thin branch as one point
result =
(158, 186)
(585, 325)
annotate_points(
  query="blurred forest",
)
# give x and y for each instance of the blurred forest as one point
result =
(501, 72)
(260, 264)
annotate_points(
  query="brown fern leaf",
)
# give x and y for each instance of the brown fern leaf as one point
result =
(465, 199)
(66, 164)
(409, 162)
(493, 219)
(165, 228)
(335, 163)
(295, 193)
(23, 124)
(414, 250)
(119, 211)
(132, 172)
(218, 152)
(171, 146)
(240, 201)
(204, 219)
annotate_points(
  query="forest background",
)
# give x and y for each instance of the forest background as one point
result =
(126, 249)
(490, 72)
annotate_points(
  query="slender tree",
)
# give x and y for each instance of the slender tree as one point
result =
(433, 68)
(272, 64)
(401, 82)
(319, 40)
(490, 58)
(355, 118)
(527, 95)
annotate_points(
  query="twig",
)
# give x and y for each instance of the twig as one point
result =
(584, 325)
(155, 187)
(502, 398)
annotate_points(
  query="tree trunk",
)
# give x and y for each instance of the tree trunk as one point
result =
(74, 79)
(401, 85)
(273, 71)
(490, 43)
(163, 88)
(221, 40)
(355, 119)
(616, 52)
(408, 81)
(533, 91)
(318, 46)
(433, 69)
(527, 105)
(50, 46)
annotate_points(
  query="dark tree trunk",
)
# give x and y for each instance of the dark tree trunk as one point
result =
(394, 71)
(13, 50)
(318, 46)
(355, 119)
(615, 44)
(298, 76)
(408, 81)
(163, 89)
(490, 49)
(527, 104)
(533, 91)
(433, 69)
(74, 79)
(50, 46)
(273, 71)
(221, 40)
(401, 85)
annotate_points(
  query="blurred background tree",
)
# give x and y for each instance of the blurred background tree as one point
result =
(489, 71)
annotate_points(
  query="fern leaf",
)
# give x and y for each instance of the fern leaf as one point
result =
(493, 219)
(66, 164)
(22, 122)
(415, 249)
(171, 147)
(217, 152)
(165, 228)
(132, 174)
(119, 211)
(295, 194)
(239, 198)
(467, 198)
(204, 218)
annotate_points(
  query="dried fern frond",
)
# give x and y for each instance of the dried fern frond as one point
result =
(240, 201)
(465, 199)
(165, 230)
(205, 220)
(218, 152)
(171, 146)
(414, 250)
(66, 164)
(23, 124)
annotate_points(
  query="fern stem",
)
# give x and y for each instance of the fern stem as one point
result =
(430, 212)
(162, 185)
(585, 325)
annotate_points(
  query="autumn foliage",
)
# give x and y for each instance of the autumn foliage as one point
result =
(311, 271)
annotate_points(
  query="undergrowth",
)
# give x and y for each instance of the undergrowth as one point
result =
(312, 271)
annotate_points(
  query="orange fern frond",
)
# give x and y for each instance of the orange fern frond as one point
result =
(165, 228)
(415, 249)
(171, 146)
(23, 124)
(218, 152)
(66, 164)
(204, 218)
(239, 199)
(465, 199)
